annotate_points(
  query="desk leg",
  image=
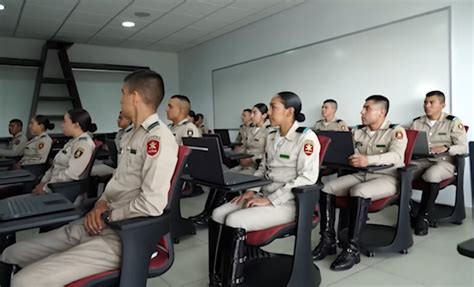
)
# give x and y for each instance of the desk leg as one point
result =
(214, 199)
(6, 270)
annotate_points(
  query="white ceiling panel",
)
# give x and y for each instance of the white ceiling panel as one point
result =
(173, 25)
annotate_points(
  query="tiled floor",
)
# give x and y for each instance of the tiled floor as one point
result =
(432, 261)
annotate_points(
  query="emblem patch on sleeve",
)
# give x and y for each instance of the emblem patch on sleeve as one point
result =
(17, 142)
(79, 152)
(190, 133)
(308, 147)
(460, 126)
(152, 147)
(40, 145)
(399, 134)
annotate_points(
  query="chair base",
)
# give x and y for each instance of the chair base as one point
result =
(443, 213)
(466, 248)
(275, 271)
(180, 228)
(381, 238)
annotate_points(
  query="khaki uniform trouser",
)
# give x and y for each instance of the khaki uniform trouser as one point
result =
(62, 256)
(366, 185)
(433, 171)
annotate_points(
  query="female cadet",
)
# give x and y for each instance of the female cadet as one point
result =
(291, 159)
(71, 162)
(254, 141)
(37, 149)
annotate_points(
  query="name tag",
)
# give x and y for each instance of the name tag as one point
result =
(285, 156)
(380, 145)
(133, 151)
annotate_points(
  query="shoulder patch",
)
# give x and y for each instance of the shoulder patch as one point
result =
(190, 132)
(398, 133)
(79, 152)
(450, 117)
(308, 147)
(417, 118)
(41, 145)
(338, 121)
(301, 129)
(152, 146)
(17, 142)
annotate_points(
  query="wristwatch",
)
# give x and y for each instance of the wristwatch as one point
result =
(106, 216)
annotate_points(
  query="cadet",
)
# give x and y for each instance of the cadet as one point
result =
(377, 142)
(71, 162)
(139, 187)
(177, 112)
(329, 122)
(255, 140)
(18, 142)
(125, 127)
(246, 124)
(446, 134)
(191, 116)
(291, 160)
(38, 148)
(199, 122)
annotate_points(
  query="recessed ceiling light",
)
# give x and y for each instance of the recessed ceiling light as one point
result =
(128, 24)
(2, 7)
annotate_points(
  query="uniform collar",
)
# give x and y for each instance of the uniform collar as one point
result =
(182, 122)
(425, 119)
(150, 121)
(385, 125)
(129, 128)
(330, 122)
(17, 135)
(42, 134)
(84, 135)
(291, 134)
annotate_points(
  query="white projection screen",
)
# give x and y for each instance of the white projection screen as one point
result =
(401, 60)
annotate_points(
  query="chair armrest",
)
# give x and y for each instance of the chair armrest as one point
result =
(70, 189)
(307, 188)
(141, 222)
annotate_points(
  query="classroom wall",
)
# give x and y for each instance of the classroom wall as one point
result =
(99, 91)
(317, 20)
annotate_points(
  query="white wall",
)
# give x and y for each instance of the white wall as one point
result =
(99, 91)
(317, 20)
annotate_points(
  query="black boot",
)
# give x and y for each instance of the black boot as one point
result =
(234, 256)
(327, 244)
(215, 253)
(213, 201)
(6, 272)
(350, 254)
(427, 203)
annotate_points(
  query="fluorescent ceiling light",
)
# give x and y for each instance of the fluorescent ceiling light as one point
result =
(2, 7)
(128, 24)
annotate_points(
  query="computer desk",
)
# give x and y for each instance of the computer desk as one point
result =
(18, 180)
(228, 188)
(7, 162)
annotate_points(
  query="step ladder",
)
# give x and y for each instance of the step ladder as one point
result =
(67, 80)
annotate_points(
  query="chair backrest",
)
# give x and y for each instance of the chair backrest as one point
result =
(176, 181)
(466, 128)
(324, 144)
(87, 172)
(411, 137)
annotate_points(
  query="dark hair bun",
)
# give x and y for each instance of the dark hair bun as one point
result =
(92, 127)
(300, 117)
(50, 126)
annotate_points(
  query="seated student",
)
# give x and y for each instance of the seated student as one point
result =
(17, 144)
(70, 163)
(177, 112)
(254, 142)
(199, 122)
(246, 124)
(329, 122)
(125, 127)
(139, 188)
(377, 142)
(191, 116)
(291, 160)
(446, 134)
(37, 149)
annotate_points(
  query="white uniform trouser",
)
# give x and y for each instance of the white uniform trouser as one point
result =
(62, 256)
(365, 185)
(254, 218)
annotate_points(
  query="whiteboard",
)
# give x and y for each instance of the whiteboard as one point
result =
(401, 60)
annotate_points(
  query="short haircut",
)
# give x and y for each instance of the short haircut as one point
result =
(381, 100)
(191, 113)
(331, 101)
(149, 84)
(438, 94)
(17, 122)
(185, 100)
(247, 111)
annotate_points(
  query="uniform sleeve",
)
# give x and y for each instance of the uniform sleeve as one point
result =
(44, 147)
(396, 151)
(17, 148)
(458, 139)
(80, 158)
(239, 137)
(47, 175)
(342, 125)
(157, 172)
(307, 169)
(260, 172)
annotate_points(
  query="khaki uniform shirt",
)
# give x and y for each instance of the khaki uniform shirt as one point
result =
(184, 129)
(254, 142)
(386, 146)
(70, 163)
(16, 146)
(242, 133)
(37, 150)
(336, 125)
(448, 131)
(141, 182)
(289, 161)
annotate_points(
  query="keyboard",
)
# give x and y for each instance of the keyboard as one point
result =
(22, 205)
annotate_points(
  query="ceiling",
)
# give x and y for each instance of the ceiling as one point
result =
(172, 25)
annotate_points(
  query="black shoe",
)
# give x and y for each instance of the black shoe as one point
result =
(202, 221)
(427, 204)
(324, 249)
(421, 226)
(349, 257)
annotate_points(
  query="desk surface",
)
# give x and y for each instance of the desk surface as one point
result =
(6, 161)
(15, 180)
(348, 167)
(235, 187)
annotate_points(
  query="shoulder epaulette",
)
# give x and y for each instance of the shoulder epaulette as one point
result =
(301, 129)
(450, 117)
(152, 126)
(43, 136)
(129, 128)
(417, 118)
(319, 121)
(360, 126)
(241, 126)
(392, 126)
(268, 126)
(82, 138)
(338, 121)
(272, 132)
